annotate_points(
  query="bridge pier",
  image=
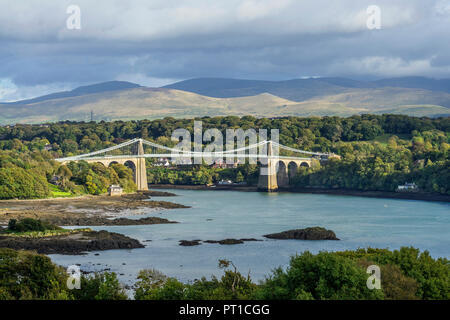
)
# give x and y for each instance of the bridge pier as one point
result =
(267, 180)
(279, 172)
(140, 176)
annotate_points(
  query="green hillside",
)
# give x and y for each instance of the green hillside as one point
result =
(125, 101)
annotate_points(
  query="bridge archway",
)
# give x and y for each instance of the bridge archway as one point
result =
(292, 170)
(130, 164)
(99, 167)
(112, 162)
(282, 175)
(304, 164)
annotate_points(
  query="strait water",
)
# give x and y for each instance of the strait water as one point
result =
(215, 215)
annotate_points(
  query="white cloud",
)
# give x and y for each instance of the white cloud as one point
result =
(254, 9)
(442, 8)
(145, 80)
(153, 42)
(389, 67)
(154, 20)
(9, 91)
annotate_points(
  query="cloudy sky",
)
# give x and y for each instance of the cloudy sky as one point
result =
(156, 42)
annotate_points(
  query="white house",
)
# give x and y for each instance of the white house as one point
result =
(408, 187)
(115, 190)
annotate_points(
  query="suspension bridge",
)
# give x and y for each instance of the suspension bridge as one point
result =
(275, 170)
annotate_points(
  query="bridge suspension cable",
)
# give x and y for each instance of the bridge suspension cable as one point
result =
(81, 156)
(298, 150)
(155, 145)
(234, 152)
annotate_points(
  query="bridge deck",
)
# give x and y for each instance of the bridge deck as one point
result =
(169, 155)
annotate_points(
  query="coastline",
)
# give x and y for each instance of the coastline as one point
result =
(422, 196)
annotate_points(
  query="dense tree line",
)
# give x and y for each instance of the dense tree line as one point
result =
(26, 173)
(406, 273)
(423, 159)
(378, 152)
(314, 133)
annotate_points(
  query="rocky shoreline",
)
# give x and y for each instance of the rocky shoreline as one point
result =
(72, 244)
(423, 196)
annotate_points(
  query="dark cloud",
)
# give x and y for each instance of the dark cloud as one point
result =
(155, 42)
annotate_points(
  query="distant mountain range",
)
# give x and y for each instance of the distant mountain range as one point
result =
(116, 100)
(301, 89)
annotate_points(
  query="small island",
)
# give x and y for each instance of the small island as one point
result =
(313, 233)
(190, 243)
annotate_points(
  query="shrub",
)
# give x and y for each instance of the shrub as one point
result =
(29, 224)
(322, 276)
(100, 286)
(27, 275)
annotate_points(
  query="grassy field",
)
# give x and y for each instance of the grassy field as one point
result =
(384, 138)
(58, 193)
(47, 233)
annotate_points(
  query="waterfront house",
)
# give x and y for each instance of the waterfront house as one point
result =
(408, 187)
(225, 182)
(115, 190)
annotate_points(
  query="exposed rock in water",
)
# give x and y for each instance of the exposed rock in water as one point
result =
(314, 233)
(189, 243)
(222, 242)
(225, 241)
(74, 243)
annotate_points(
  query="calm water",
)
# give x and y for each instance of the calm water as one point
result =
(217, 215)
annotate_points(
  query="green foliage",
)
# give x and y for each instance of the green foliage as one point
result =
(19, 183)
(432, 275)
(378, 152)
(153, 285)
(395, 285)
(405, 274)
(322, 276)
(376, 166)
(26, 275)
(100, 286)
(326, 275)
(96, 178)
(56, 192)
(29, 224)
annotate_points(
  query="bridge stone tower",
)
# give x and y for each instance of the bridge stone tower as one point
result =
(268, 173)
(140, 174)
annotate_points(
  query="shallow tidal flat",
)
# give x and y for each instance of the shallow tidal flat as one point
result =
(88, 210)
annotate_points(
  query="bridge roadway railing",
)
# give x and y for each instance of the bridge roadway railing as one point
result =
(184, 155)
